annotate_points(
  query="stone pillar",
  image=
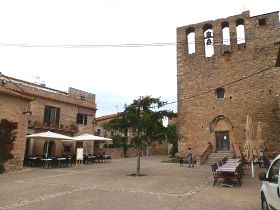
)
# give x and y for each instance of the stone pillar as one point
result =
(199, 42)
(217, 33)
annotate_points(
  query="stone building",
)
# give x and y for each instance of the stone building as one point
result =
(100, 121)
(14, 107)
(70, 113)
(154, 149)
(227, 69)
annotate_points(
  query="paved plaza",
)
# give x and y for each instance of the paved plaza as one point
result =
(106, 186)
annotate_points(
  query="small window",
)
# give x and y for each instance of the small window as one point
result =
(98, 132)
(262, 22)
(81, 119)
(220, 93)
(51, 115)
(83, 98)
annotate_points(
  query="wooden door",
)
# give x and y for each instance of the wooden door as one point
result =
(222, 141)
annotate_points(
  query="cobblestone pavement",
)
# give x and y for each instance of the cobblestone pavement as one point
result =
(105, 186)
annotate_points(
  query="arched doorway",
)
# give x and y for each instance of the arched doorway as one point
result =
(221, 127)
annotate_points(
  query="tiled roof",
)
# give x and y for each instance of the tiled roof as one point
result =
(40, 93)
(6, 91)
(106, 117)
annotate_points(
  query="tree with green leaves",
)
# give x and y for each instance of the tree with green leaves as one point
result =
(119, 124)
(143, 118)
(173, 137)
(7, 138)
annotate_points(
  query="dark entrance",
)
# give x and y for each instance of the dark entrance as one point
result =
(79, 144)
(50, 147)
(222, 141)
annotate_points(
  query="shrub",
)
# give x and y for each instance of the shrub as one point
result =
(7, 138)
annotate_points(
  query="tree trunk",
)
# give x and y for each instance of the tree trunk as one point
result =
(138, 162)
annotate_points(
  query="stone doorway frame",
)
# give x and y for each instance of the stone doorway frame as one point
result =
(215, 126)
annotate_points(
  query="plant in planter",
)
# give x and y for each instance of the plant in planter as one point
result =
(7, 138)
(74, 127)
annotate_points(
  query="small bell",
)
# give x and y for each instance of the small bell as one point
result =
(208, 42)
(208, 34)
(208, 37)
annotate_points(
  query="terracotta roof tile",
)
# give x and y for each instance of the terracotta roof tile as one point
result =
(39, 93)
(106, 117)
(6, 91)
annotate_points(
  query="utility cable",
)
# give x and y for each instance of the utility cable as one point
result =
(223, 85)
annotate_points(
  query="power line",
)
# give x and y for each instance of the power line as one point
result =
(87, 45)
(223, 85)
(128, 45)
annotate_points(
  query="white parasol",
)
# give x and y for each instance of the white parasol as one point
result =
(90, 137)
(49, 136)
(251, 150)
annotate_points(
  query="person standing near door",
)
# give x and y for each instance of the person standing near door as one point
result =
(190, 157)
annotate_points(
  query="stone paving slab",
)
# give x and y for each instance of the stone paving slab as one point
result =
(107, 186)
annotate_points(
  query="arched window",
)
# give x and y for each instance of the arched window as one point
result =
(220, 93)
(240, 30)
(208, 40)
(190, 40)
(225, 33)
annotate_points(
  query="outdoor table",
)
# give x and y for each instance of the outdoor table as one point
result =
(228, 170)
(46, 162)
(33, 160)
(231, 165)
(69, 161)
(91, 158)
(233, 161)
(107, 157)
(61, 159)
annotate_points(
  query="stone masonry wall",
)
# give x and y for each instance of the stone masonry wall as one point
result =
(11, 109)
(257, 95)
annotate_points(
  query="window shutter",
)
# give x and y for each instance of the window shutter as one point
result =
(85, 122)
(57, 116)
(77, 119)
(46, 114)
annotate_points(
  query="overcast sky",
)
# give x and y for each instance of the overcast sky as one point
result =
(117, 75)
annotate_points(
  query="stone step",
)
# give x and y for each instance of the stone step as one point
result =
(218, 156)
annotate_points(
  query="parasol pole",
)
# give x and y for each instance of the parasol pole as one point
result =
(47, 149)
(252, 164)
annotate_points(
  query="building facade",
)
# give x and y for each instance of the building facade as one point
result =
(14, 107)
(70, 113)
(227, 69)
(154, 149)
(99, 123)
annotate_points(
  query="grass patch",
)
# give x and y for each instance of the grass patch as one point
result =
(136, 175)
(173, 160)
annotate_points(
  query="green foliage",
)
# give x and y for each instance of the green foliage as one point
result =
(7, 138)
(173, 137)
(145, 122)
(121, 141)
(143, 118)
(119, 124)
